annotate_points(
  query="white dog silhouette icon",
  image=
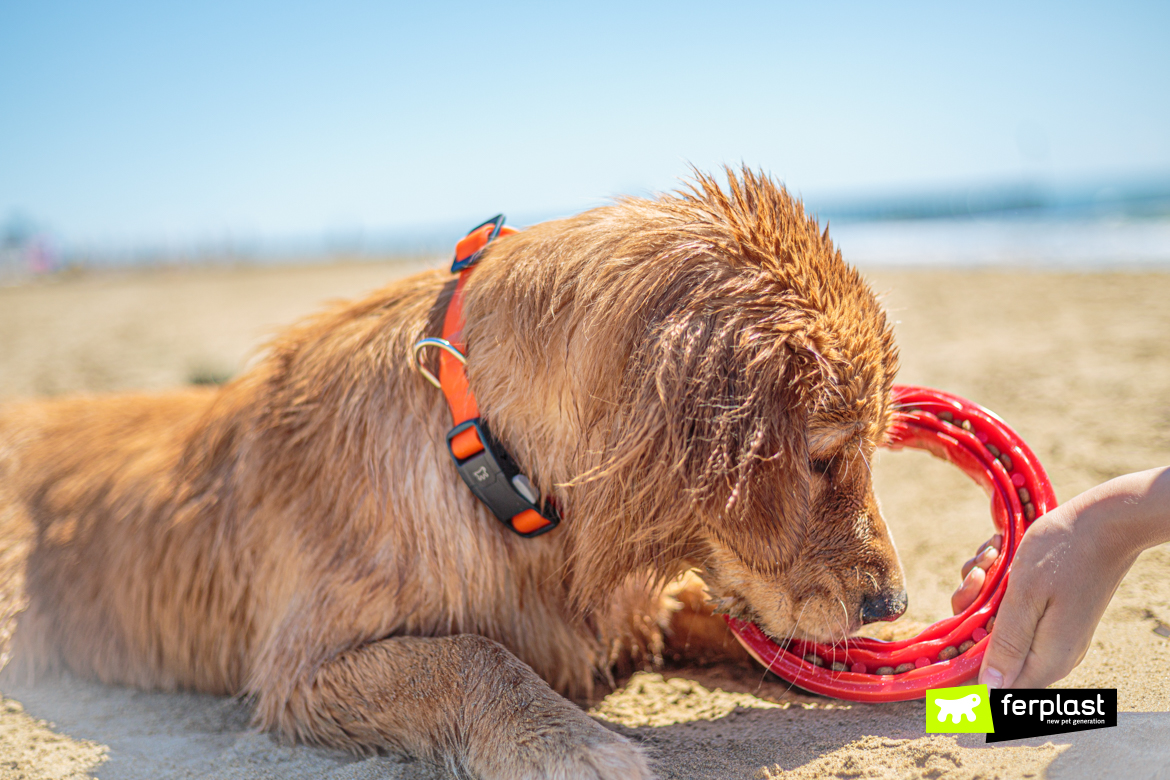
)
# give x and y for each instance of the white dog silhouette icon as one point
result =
(957, 708)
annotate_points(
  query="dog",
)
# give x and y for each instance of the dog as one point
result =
(696, 381)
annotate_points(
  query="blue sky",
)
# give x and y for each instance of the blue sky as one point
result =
(125, 123)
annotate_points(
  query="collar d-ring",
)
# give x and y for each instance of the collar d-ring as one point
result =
(442, 344)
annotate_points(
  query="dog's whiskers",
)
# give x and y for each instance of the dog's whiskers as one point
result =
(788, 639)
(843, 643)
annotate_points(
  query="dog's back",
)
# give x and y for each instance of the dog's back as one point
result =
(89, 505)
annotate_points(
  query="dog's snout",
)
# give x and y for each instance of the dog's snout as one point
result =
(883, 606)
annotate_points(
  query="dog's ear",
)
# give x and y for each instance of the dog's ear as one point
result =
(765, 505)
(709, 437)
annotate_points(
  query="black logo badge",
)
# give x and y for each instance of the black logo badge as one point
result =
(1037, 712)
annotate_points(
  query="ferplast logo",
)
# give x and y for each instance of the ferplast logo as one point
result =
(962, 710)
(1018, 713)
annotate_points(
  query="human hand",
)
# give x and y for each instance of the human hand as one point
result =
(1062, 578)
(1064, 574)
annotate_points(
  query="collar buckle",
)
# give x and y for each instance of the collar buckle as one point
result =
(496, 480)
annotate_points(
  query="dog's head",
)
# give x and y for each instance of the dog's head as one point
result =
(702, 381)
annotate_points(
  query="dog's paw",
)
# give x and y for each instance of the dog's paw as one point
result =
(565, 756)
(610, 757)
(619, 759)
(605, 762)
(517, 728)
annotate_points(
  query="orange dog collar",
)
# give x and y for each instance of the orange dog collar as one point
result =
(482, 462)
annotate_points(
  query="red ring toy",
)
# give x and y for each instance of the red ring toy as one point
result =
(994, 456)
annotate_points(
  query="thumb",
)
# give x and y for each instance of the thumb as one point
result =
(1011, 638)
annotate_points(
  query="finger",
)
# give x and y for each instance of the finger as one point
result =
(983, 560)
(995, 541)
(1011, 639)
(1064, 640)
(1039, 672)
(969, 590)
(968, 566)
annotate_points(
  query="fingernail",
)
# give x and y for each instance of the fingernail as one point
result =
(991, 678)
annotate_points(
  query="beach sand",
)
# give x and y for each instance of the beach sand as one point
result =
(1078, 364)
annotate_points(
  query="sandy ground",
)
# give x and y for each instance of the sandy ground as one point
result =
(1078, 364)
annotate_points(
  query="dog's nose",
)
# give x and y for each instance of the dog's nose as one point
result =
(883, 606)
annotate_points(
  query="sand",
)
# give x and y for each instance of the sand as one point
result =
(1079, 364)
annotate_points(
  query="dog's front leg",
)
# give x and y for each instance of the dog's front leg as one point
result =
(696, 633)
(462, 700)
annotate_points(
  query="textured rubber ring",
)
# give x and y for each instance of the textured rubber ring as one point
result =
(993, 455)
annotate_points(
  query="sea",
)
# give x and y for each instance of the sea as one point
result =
(1103, 227)
(1034, 242)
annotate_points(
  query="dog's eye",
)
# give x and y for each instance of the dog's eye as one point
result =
(822, 466)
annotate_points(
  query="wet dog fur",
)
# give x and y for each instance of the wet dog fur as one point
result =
(698, 379)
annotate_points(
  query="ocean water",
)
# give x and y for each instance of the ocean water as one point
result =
(1037, 243)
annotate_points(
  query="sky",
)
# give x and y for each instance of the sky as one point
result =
(164, 122)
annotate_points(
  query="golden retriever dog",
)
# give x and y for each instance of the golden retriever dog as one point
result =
(698, 381)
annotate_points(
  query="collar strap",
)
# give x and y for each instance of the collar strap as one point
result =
(482, 462)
